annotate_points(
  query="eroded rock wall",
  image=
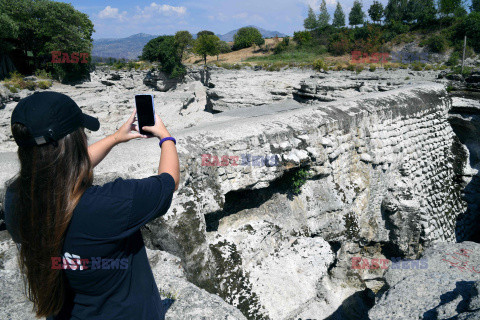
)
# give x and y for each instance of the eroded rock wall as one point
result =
(377, 170)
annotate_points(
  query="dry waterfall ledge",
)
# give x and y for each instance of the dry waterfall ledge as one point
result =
(381, 181)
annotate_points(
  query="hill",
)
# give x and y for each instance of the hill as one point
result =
(128, 48)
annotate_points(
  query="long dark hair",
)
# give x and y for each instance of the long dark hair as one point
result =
(52, 179)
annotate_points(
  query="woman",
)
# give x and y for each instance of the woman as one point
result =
(81, 251)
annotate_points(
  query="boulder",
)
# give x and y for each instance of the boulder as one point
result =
(447, 288)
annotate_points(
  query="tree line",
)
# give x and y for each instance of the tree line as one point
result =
(405, 11)
(170, 50)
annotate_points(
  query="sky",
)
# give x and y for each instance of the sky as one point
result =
(122, 18)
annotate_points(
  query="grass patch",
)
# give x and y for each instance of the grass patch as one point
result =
(16, 82)
(44, 84)
(293, 54)
(42, 74)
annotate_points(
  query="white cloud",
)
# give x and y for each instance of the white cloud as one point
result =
(165, 8)
(111, 13)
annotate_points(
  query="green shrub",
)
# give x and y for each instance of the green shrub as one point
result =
(351, 67)
(44, 84)
(298, 180)
(407, 78)
(131, 65)
(282, 46)
(397, 28)
(42, 74)
(319, 64)
(436, 43)
(372, 68)
(458, 70)
(178, 72)
(417, 66)
(302, 37)
(358, 68)
(453, 59)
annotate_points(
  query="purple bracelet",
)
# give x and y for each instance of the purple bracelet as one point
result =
(165, 139)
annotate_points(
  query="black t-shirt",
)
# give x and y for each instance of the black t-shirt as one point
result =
(103, 256)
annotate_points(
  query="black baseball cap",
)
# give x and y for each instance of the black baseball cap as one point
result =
(50, 116)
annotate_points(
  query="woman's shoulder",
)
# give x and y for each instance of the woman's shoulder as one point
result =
(126, 188)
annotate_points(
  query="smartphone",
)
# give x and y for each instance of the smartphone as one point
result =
(145, 112)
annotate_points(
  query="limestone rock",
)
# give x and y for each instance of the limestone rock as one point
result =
(445, 289)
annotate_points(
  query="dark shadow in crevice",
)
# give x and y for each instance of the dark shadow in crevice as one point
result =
(238, 200)
(355, 307)
(466, 126)
(335, 246)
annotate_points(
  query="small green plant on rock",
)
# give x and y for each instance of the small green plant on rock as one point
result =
(298, 180)
(319, 65)
(168, 294)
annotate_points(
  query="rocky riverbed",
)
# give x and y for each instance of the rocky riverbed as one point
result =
(346, 196)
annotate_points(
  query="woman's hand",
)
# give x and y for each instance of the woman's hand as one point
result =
(158, 130)
(128, 130)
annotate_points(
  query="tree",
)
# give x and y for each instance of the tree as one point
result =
(425, 12)
(475, 7)
(164, 49)
(46, 26)
(8, 31)
(448, 7)
(310, 22)
(356, 16)
(323, 16)
(396, 10)
(338, 17)
(376, 11)
(183, 40)
(410, 13)
(207, 45)
(223, 47)
(246, 37)
(204, 32)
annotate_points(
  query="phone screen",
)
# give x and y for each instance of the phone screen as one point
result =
(145, 112)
